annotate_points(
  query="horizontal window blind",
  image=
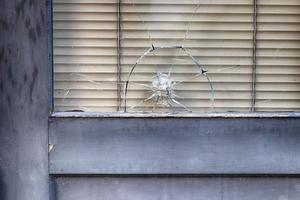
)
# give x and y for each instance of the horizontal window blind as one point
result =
(90, 34)
(85, 55)
(278, 55)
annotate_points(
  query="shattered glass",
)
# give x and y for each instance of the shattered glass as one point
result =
(163, 85)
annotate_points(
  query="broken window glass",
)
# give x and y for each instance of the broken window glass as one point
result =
(176, 56)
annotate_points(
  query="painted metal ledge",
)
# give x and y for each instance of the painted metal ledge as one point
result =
(198, 146)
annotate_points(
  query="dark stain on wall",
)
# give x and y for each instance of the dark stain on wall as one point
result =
(38, 30)
(11, 76)
(25, 78)
(2, 186)
(3, 24)
(8, 100)
(31, 2)
(1, 86)
(20, 8)
(31, 34)
(32, 83)
(2, 51)
(9, 73)
(27, 22)
(42, 16)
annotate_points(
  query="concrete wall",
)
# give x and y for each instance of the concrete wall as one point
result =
(23, 100)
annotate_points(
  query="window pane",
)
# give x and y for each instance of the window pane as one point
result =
(214, 36)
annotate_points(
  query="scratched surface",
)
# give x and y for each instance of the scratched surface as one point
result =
(23, 100)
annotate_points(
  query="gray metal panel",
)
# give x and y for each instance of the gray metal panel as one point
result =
(175, 146)
(177, 188)
(23, 100)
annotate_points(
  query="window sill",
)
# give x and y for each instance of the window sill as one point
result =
(176, 115)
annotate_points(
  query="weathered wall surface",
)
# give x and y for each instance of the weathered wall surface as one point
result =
(23, 100)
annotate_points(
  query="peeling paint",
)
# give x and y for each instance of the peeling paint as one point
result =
(50, 147)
